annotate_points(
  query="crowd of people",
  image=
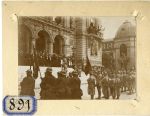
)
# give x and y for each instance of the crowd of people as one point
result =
(63, 87)
(111, 83)
(45, 59)
(108, 83)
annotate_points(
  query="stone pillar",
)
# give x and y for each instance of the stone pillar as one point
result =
(79, 38)
(50, 48)
(33, 43)
(132, 53)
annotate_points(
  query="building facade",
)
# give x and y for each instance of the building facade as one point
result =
(79, 37)
(121, 50)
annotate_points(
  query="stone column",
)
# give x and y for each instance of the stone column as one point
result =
(33, 43)
(50, 46)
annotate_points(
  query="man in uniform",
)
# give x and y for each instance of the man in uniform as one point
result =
(48, 85)
(118, 85)
(105, 85)
(124, 81)
(112, 85)
(91, 85)
(134, 81)
(28, 84)
(131, 80)
(98, 84)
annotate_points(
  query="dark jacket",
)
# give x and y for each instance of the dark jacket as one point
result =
(48, 87)
(27, 86)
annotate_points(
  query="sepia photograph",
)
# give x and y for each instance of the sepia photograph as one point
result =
(77, 58)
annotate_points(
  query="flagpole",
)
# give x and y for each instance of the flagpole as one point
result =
(30, 61)
(34, 51)
(86, 48)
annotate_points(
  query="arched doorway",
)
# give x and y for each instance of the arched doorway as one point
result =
(123, 50)
(58, 46)
(24, 44)
(42, 40)
(108, 60)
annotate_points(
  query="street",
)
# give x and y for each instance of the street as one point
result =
(83, 78)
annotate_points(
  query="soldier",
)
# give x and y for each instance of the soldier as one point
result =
(28, 84)
(134, 81)
(122, 80)
(48, 85)
(131, 81)
(105, 85)
(68, 86)
(118, 85)
(112, 85)
(91, 85)
(75, 83)
(98, 84)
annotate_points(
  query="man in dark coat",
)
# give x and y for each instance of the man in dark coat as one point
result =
(75, 82)
(118, 85)
(28, 84)
(62, 85)
(48, 85)
(91, 85)
(112, 85)
(98, 84)
(105, 86)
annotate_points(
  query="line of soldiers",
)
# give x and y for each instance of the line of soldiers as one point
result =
(68, 87)
(111, 83)
(63, 87)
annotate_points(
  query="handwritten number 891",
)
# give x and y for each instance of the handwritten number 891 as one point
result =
(21, 103)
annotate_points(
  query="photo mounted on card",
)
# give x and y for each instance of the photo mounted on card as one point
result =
(70, 57)
(69, 53)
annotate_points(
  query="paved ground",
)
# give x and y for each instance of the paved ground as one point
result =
(83, 78)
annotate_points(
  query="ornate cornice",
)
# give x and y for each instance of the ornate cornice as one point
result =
(51, 24)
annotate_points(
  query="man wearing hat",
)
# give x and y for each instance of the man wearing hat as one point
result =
(91, 85)
(98, 84)
(48, 85)
(28, 84)
(75, 83)
(105, 85)
(118, 85)
(61, 85)
(112, 77)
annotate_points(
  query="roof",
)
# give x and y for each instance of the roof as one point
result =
(126, 30)
(108, 40)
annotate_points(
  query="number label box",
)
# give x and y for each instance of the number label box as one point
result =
(19, 105)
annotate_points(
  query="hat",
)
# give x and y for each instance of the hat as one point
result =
(29, 71)
(49, 69)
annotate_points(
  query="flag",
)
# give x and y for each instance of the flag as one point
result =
(35, 64)
(88, 66)
(30, 60)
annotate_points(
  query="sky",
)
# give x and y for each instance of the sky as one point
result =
(111, 25)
